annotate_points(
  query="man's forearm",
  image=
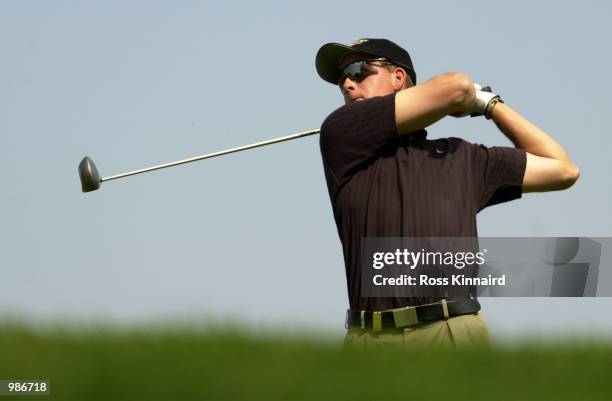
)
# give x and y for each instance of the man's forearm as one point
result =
(526, 135)
(549, 168)
(422, 105)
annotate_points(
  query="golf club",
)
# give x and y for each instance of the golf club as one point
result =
(90, 178)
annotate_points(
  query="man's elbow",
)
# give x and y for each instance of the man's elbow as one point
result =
(569, 177)
(573, 174)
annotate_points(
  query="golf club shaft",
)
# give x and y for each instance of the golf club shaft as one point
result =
(220, 153)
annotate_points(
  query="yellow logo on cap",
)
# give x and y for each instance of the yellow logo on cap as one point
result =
(359, 41)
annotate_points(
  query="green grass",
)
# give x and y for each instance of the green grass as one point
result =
(187, 364)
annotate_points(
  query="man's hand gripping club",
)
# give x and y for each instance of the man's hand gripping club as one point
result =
(484, 102)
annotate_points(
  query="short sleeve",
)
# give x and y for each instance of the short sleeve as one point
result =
(355, 135)
(498, 174)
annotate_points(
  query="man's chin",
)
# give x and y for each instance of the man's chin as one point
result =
(357, 99)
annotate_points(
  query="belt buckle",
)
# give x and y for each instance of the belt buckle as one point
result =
(405, 317)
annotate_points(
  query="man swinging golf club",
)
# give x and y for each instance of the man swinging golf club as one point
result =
(386, 179)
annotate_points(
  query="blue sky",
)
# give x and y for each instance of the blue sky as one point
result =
(251, 235)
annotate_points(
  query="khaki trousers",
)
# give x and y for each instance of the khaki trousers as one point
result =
(459, 331)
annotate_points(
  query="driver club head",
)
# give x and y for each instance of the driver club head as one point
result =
(90, 179)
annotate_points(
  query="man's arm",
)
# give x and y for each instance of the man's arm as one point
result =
(548, 168)
(420, 106)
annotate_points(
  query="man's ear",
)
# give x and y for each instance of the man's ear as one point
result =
(399, 79)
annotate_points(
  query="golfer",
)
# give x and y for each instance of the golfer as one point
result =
(386, 179)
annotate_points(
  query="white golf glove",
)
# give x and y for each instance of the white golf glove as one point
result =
(485, 100)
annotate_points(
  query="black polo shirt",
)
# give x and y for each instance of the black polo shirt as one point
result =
(382, 184)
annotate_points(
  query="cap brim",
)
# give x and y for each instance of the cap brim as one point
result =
(328, 60)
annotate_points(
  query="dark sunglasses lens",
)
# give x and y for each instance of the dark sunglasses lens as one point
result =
(355, 71)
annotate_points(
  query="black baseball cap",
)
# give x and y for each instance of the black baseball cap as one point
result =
(331, 55)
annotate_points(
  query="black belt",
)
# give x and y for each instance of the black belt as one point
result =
(411, 315)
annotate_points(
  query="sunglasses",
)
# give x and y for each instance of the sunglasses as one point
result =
(358, 71)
